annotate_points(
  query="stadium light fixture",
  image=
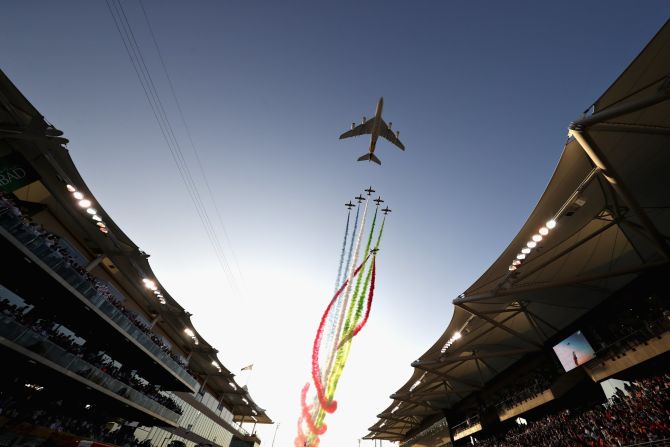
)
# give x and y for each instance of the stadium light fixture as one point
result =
(244, 399)
(232, 385)
(104, 230)
(91, 211)
(525, 251)
(77, 195)
(216, 365)
(189, 332)
(71, 188)
(516, 262)
(520, 256)
(396, 408)
(96, 218)
(551, 224)
(84, 203)
(544, 231)
(457, 336)
(511, 268)
(537, 238)
(531, 244)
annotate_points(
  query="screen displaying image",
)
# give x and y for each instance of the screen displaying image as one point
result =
(574, 351)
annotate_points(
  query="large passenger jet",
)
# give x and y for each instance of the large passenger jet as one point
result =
(376, 127)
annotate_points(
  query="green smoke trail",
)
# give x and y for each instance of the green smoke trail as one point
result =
(357, 301)
(361, 298)
(342, 354)
(358, 293)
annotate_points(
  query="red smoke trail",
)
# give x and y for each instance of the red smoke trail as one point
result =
(328, 406)
(371, 294)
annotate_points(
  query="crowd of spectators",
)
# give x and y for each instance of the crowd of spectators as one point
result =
(637, 323)
(89, 428)
(638, 414)
(525, 388)
(54, 332)
(58, 256)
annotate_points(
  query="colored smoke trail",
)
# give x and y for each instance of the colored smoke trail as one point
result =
(347, 293)
(359, 309)
(361, 301)
(331, 317)
(359, 295)
(344, 246)
(316, 371)
(345, 316)
(342, 348)
(353, 233)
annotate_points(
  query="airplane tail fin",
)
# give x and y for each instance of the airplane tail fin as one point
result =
(370, 157)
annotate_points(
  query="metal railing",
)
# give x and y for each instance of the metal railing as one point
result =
(54, 261)
(15, 332)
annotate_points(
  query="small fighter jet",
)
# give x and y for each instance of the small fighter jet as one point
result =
(376, 127)
(370, 191)
(386, 210)
(378, 200)
(349, 205)
(360, 198)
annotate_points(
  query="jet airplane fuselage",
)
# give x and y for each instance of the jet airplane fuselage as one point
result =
(374, 136)
(375, 127)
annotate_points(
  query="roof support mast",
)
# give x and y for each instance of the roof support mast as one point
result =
(578, 130)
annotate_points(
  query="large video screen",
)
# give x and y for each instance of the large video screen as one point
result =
(574, 351)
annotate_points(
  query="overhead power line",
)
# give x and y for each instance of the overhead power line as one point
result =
(190, 139)
(153, 98)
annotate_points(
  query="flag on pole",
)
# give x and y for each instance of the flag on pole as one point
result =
(248, 367)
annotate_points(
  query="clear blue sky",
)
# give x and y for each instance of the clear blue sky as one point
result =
(482, 93)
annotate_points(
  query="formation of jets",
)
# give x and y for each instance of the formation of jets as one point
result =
(378, 201)
(375, 127)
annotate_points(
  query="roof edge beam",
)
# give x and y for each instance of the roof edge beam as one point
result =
(630, 128)
(570, 282)
(500, 326)
(662, 94)
(599, 158)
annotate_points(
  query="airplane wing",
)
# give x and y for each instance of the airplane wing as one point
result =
(361, 129)
(389, 135)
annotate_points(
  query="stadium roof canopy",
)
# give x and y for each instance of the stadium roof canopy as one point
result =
(24, 129)
(610, 201)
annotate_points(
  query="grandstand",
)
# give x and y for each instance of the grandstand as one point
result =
(94, 349)
(578, 303)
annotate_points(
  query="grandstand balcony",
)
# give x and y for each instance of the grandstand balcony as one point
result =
(47, 361)
(38, 274)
